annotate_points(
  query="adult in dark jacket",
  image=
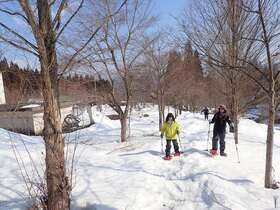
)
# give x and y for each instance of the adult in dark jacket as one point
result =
(219, 132)
(206, 113)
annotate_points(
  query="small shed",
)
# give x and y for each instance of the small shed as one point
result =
(28, 118)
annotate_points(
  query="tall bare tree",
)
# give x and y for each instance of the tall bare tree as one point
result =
(240, 37)
(117, 52)
(43, 28)
(267, 14)
(43, 18)
(217, 37)
(215, 28)
(156, 63)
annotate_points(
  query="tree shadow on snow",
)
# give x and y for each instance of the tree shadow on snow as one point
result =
(93, 207)
(15, 203)
(152, 152)
(211, 198)
(212, 173)
(194, 150)
(132, 169)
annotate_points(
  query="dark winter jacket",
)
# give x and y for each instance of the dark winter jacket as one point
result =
(220, 119)
(205, 111)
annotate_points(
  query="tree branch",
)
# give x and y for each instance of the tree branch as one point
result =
(89, 40)
(18, 46)
(19, 36)
(57, 17)
(69, 20)
(13, 14)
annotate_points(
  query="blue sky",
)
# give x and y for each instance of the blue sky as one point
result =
(166, 9)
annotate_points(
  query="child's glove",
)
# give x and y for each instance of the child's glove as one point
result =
(161, 135)
(178, 132)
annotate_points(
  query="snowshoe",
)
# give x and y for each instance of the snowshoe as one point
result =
(167, 157)
(177, 154)
(213, 152)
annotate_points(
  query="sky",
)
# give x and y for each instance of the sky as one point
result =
(165, 10)
(168, 9)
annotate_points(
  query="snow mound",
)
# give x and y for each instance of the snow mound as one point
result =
(103, 122)
(133, 175)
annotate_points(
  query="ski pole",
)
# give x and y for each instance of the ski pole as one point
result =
(208, 137)
(236, 148)
(161, 144)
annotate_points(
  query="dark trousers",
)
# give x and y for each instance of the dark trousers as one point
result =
(219, 135)
(206, 116)
(168, 146)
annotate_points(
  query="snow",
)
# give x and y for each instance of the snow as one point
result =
(116, 176)
(30, 106)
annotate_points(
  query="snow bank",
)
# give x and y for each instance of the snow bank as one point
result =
(133, 176)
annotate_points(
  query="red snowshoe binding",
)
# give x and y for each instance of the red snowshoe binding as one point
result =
(177, 154)
(213, 152)
(167, 157)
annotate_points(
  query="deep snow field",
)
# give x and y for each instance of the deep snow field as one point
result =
(109, 175)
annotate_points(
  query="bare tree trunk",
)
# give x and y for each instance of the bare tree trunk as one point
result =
(270, 128)
(123, 120)
(235, 122)
(176, 111)
(160, 117)
(89, 111)
(235, 112)
(162, 112)
(159, 110)
(180, 109)
(234, 21)
(269, 142)
(161, 107)
(57, 183)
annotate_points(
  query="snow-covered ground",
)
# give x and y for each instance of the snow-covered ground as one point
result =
(132, 176)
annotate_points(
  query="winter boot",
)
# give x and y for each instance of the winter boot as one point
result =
(223, 154)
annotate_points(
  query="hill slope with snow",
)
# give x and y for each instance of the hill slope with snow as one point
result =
(133, 176)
